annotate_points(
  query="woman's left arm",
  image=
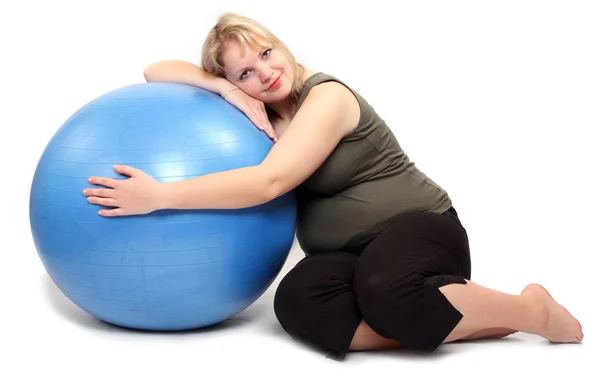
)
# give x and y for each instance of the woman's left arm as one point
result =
(329, 112)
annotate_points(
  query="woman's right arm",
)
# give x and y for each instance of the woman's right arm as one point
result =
(184, 72)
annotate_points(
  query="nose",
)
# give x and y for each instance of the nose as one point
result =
(265, 74)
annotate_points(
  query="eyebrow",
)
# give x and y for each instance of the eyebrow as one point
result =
(261, 50)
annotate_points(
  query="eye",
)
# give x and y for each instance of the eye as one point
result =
(244, 74)
(265, 54)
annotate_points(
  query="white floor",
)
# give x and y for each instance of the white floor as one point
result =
(47, 335)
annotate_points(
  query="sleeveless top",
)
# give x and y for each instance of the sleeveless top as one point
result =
(363, 186)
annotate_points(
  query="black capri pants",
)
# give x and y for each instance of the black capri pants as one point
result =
(392, 284)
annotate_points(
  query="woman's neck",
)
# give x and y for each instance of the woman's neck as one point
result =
(286, 109)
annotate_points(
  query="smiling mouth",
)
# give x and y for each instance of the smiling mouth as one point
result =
(275, 83)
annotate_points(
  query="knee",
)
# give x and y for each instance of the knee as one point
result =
(310, 294)
(290, 296)
(403, 307)
(388, 306)
(296, 297)
(377, 292)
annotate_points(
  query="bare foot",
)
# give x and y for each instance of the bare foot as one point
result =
(490, 333)
(553, 321)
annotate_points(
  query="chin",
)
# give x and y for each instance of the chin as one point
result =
(278, 95)
(281, 96)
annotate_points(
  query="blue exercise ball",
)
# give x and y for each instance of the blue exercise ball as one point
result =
(171, 269)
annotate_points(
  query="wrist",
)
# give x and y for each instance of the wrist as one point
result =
(229, 91)
(163, 200)
(226, 87)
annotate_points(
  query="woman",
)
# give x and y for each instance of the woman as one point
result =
(387, 259)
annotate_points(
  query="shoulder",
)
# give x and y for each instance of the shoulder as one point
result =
(335, 97)
(319, 84)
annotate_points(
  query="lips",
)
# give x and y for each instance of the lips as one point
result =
(275, 83)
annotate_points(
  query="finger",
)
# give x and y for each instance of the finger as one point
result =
(250, 112)
(264, 122)
(102, 192)
(268, 127)
(265, 116)
(109, 202)
(270, 133)
(125, 170)
(113, 212)
(255, 120)
(101, 181)
(272, 130)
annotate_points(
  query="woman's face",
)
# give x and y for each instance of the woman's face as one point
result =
(264, 74)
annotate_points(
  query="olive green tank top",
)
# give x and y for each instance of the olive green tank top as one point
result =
(363, 185)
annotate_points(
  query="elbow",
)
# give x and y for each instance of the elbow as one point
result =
(272, 191)
(277, 188)
(148, 73)
(273, 182)
(151, 71)
(272, 186)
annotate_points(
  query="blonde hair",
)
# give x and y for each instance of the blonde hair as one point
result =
(245, 30)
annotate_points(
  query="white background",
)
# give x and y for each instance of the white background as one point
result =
(498, 102)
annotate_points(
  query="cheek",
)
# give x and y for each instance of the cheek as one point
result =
(288, 68)
(251, 87)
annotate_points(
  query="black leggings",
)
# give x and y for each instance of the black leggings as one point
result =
(392, 285)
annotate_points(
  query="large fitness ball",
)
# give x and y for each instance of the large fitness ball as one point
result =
(171, 269)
